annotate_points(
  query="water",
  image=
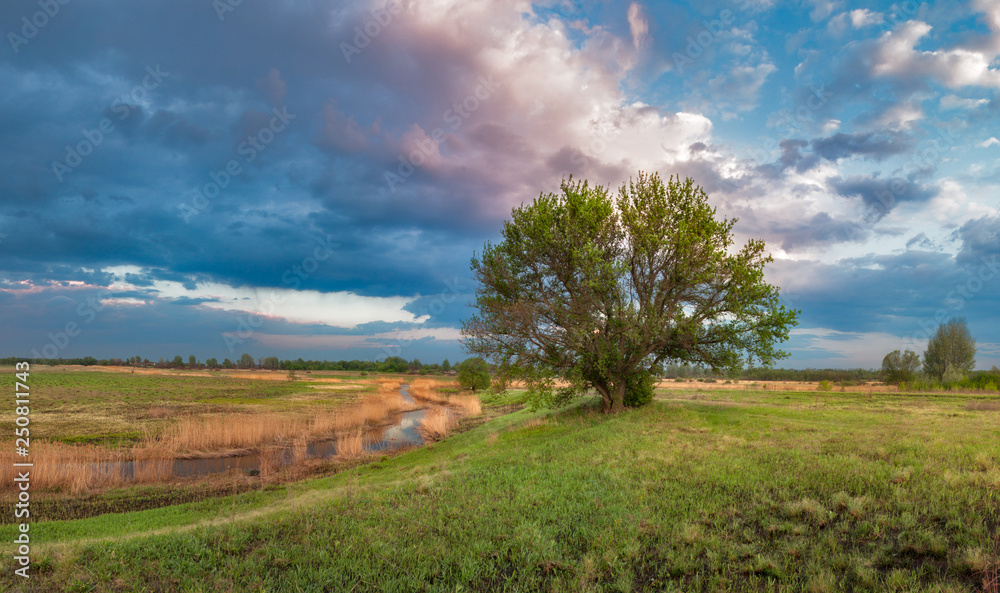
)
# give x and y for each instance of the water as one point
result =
(401, 432)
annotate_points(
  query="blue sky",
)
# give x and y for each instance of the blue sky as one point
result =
(311, 178)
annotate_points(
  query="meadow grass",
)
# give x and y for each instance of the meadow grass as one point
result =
(700, 491)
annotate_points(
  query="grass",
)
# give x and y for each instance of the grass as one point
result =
(701, 491)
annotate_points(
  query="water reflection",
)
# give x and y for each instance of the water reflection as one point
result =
(399, 430)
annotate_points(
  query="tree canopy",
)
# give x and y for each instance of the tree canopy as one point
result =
(951, 351)
(898, 367)
(474, 374)
(586, 291)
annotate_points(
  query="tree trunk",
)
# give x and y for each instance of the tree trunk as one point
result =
(606, 396)
(618, 399)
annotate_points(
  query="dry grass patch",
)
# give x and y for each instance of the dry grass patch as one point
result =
(435, 424)
(82, 468)
(426, 389)
(78, 468)
(270, 460)
(158, 412)
(990, 570)
(149, 471)
(230, 431)
(351, 445)
(981, 406)
(469, 404)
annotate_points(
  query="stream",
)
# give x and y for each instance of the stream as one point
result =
(401, 432)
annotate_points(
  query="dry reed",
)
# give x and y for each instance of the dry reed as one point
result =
(300, 450)
(270, 460)
(435, 424)
(426, 389)
(470, 404)
(79, 468)
(351, 444)
(230, 431)
(991, 573)
(152, 470)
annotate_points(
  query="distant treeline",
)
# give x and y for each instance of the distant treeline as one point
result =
(393, 364)
(764, 374)
(396, 364)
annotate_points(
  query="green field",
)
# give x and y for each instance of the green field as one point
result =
(702, 491)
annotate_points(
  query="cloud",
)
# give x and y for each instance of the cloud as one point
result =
(881, 195)
(572, 91)
(895, 55)
(991, 141)
(877, 146)
(920, 240)
(862, 17)
(637, 24)
(980, 239)
(954, 102)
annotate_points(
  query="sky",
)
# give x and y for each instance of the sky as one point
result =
(307, 178)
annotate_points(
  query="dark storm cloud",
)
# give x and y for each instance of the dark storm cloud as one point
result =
(980, 240)
(882, 195)
(215, 94)
(875, 145)
(820, 229)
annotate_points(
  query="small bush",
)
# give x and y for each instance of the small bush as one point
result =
(824, 385)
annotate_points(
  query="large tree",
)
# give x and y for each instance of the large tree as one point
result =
(898, 367)
(587, 291)
(951, 351)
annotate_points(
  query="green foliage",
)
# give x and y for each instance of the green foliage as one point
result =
(474, 374)
(899, 367)
(824, 385)
(446, 366)
(590, 290)
(178, 361)
(639, 389)
(951, 352)
(979, 382)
